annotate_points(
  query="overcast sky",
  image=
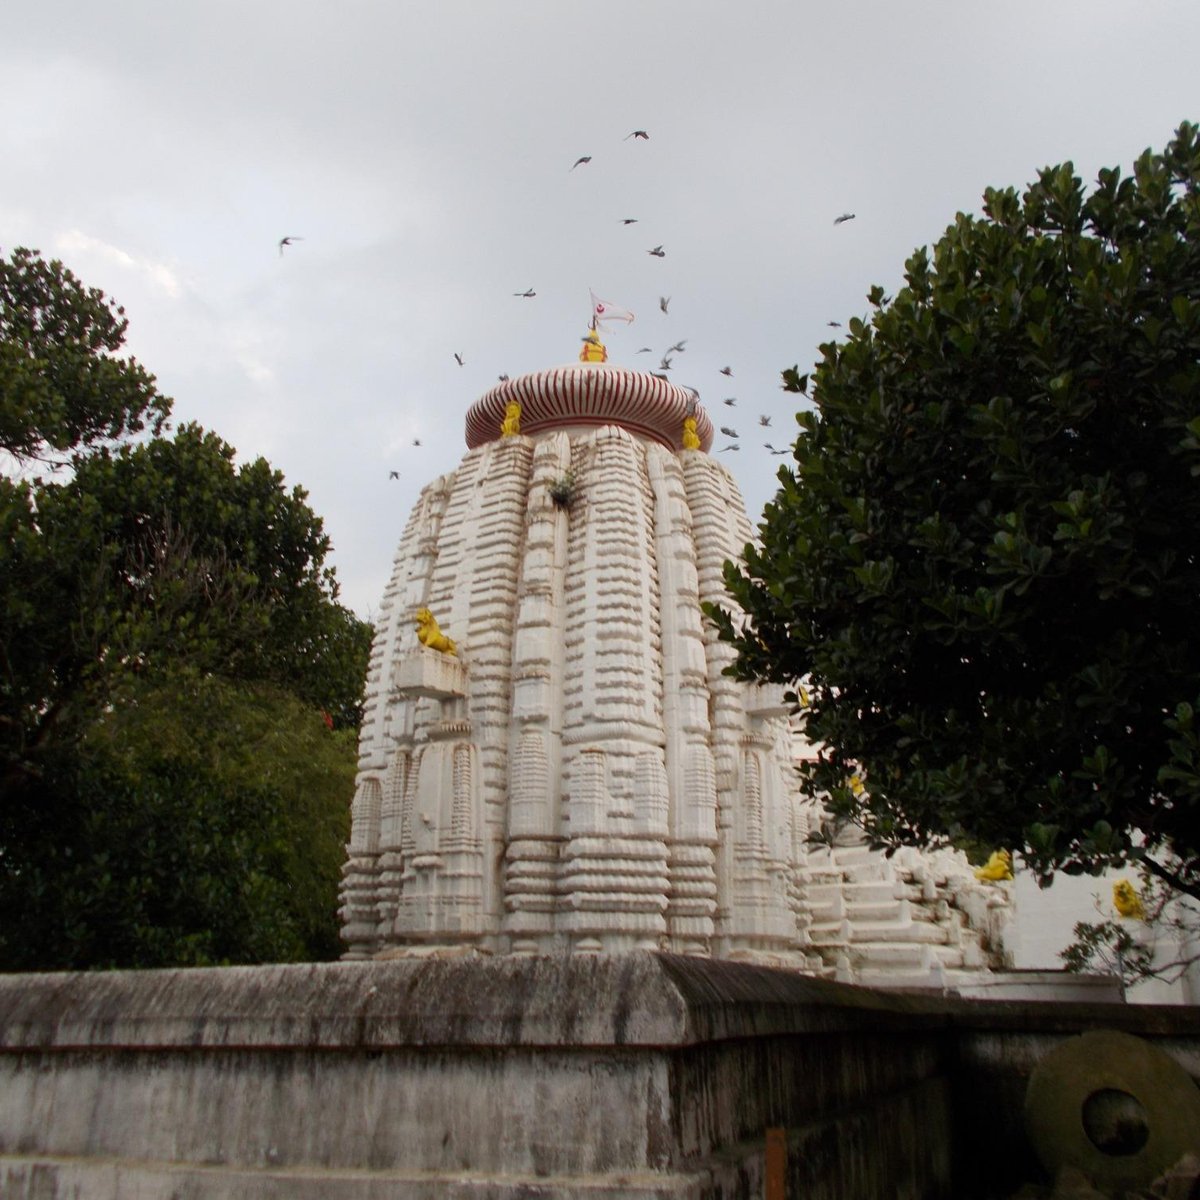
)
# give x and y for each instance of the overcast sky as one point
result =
(423, 152)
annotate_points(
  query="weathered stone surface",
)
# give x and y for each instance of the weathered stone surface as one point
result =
(635, 1075)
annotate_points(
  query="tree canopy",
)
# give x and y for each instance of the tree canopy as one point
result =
(985, 564)
(179, 685)
(61, 386)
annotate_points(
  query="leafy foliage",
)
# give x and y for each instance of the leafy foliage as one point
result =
(986, 561)
(197, 822)
(61, 388)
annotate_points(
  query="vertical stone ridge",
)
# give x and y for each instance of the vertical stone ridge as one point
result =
(534, 817)
(692, 813)
(614, 874)
(391, 834)
(721, 532)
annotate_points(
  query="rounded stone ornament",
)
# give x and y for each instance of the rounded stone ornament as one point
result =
(1115, 1107)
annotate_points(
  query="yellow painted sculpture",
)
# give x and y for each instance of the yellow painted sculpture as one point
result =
(691, 439)
(511, 425)
(998, 867)
(593, 348)
(428, 633)
(1127, 901)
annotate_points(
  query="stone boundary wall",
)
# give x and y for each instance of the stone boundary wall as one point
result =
(639, 1075)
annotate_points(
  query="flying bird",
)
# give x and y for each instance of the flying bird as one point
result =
(727, 371)
(834, 324)
(640, 134)
(677, 348)
(416, 441)
(646, 350)
(503, 378)
(658, 252)
(663, 301)
(629, 220)
(287, 241)
(731, 401)
(733, 433)
(665, 365)
(393, 474)
(458, 358)
(527, 294)
(586, 158)
(843, 217)
(773, 450)
(764, 420)
(731, 446)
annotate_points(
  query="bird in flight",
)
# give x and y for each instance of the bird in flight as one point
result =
(646, 350)
(773, 450)
(843, 217)
(640, 134)
(727, 371)
(731, 400)
(764, 420)
(416, 441)
(733, 433)
(663, 301)
(287, 241)
(393, 474)
(586, 158)
(458, 358)
(503, 378)
(665, 365)
(731, 446)
(834, 324)
(658, 252)
(629, 220)
(677, 348)
(527, 294)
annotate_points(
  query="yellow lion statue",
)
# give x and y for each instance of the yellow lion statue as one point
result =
(511, 425)
(428, 633)
(997, 868)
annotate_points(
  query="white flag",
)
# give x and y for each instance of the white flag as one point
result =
(603, 311)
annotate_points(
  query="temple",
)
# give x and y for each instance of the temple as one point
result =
(578, 774)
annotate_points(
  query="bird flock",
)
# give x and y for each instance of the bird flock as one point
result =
(666, 361)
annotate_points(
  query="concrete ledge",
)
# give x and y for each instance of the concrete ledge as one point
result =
(640, 999)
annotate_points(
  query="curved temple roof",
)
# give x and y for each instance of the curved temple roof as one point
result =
(582, 394)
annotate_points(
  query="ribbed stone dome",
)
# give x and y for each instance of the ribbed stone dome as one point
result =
(583, 394)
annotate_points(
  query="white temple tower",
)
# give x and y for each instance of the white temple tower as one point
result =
(581, 776)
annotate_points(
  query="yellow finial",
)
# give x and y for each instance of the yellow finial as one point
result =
(593, 348)
(691, 439)
(511, 425)
(1127, 901)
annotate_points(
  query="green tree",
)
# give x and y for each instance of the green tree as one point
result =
(985, 565)
(179, 685)
(198, 821)
(61, 387)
